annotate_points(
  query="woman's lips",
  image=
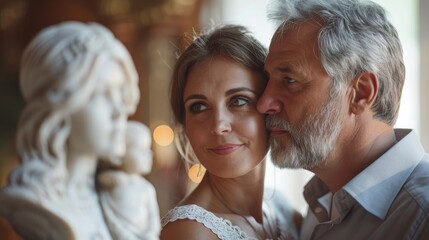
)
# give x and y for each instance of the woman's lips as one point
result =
(225, 149)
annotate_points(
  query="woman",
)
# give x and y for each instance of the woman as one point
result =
(80, 85)
(216, 83)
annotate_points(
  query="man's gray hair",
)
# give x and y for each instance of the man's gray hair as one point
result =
(355, 37)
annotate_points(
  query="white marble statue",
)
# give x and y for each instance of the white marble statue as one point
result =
(125, 189)
(79, 84)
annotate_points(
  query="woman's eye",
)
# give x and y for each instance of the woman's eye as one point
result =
(239, 101)
(197, 108)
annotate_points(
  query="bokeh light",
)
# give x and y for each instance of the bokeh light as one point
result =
(196, 173)
(163, 135)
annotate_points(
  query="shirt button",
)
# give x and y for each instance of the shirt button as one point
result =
(318, 210)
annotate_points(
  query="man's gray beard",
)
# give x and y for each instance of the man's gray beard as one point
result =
(312, 142)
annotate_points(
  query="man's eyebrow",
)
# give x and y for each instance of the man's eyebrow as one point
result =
(282, 69)
(285, 69)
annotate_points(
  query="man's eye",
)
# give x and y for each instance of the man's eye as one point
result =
(239, 101)
(197, 108)
(290, 80)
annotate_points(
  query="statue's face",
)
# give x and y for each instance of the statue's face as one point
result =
(98, 129)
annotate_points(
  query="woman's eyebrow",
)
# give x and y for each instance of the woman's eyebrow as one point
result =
(240, 89)
(195, 96)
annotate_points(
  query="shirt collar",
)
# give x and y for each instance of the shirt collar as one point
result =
(325, 201)
(376, 187)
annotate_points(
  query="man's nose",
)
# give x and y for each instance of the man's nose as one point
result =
(268, 102)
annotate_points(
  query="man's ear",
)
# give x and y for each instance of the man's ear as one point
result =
(363, 92)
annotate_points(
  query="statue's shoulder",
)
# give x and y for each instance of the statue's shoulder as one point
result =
(30, 219)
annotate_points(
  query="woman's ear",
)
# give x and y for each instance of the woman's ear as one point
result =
(364, 90)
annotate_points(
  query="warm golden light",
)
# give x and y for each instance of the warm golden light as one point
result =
(163, 135)
(196, 173)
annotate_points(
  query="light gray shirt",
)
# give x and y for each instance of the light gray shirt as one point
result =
(388, 200)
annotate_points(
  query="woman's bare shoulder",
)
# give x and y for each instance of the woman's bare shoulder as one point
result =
(186, 229)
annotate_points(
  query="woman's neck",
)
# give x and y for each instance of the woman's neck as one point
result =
(242, 196)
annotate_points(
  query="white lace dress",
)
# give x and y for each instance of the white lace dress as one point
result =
(225, 230)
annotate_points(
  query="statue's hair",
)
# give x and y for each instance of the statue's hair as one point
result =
(231, 41)
(355, 37)
(58, 76)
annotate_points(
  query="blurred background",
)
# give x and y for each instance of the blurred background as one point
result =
(153, 31)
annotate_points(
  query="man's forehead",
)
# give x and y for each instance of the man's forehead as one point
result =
(302, 39)
(297, 31)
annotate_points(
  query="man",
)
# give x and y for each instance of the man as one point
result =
(335, 79)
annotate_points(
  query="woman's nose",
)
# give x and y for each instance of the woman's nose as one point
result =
(221, 124)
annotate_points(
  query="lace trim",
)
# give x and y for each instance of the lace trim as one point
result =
(223, 228)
